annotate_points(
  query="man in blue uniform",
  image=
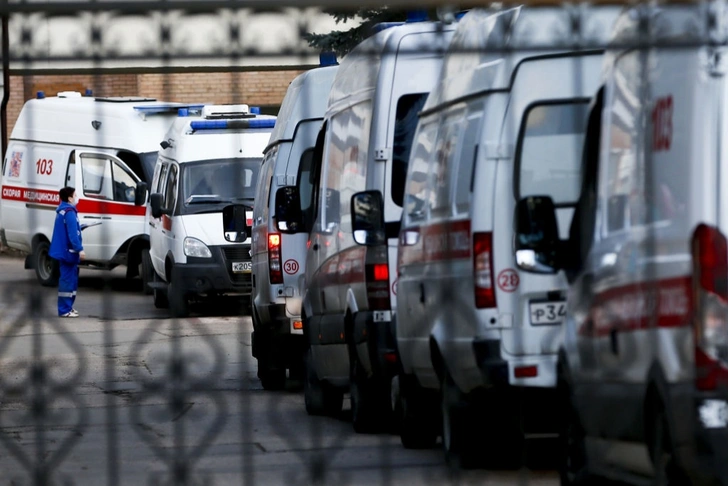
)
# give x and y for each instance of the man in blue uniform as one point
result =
(67, 248)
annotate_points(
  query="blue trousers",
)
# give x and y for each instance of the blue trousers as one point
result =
(67, 286)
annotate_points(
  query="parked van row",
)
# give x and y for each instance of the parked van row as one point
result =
(560, 258)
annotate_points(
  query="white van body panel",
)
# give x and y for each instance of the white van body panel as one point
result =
(190, 147)
(297, 126)
(399, 61)
(484, 92)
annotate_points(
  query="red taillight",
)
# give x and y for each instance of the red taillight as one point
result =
(483, 270)
(377, 279)
(381, 272)
(710, 297)
(274, 258)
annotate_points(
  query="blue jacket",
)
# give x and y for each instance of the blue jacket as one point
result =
(66, 241)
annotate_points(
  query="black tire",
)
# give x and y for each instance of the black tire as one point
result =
(320, 398)
(147, 270)
(160, 296)
(460, 439)
(179, 306)
(667, 469)
(418, 415)
(574, 462)
(46, 268)
(272, 379)
(370, 400)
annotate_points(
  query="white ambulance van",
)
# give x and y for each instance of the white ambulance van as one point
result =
(477, 338)
(201, 206)
(643, 367)
(349, 288)
(279, 259)
(106, 148)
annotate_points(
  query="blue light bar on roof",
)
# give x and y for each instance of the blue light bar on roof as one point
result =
(170, 108)
(233, 124)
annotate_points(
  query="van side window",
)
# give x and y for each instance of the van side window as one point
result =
(162, 181)
(466, 162)
(263, 187)
(625, 178)
(405, 124)
(96, 173)
(71, 170)
(123, 182)
(307, 185)
(346, 168)
(416, 192)
(170, 193)
(443, 162)
(549, 150)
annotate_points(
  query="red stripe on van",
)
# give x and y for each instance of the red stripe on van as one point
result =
(25, 194)
(109, 207)
(441, 241)
(664, 303)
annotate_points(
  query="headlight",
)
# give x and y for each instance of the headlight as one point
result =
(195, 248)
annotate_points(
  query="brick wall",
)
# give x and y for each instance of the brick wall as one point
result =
(261, 88)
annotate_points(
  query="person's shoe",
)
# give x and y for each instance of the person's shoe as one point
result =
(72, 313)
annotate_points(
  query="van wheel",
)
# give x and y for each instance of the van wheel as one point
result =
(179, 306)
(46, 268)
(573, 469)
(147, 271)
(418, 415)
(272, 379)
(667, 471)
(370, 405)
(459, 430)
(320, 398)
(160, 296)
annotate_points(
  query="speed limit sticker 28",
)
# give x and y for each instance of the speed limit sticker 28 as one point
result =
(508, 280)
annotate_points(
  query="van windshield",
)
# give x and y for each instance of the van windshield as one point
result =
(214, 182)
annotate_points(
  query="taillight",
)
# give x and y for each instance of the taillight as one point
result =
(483, 270)
(274, 258)
(377, 282)
(710, 295)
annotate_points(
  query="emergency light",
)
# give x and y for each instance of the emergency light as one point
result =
(233, 124)
(166, 108)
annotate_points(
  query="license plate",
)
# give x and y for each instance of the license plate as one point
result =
(242, 267)
(547, 313)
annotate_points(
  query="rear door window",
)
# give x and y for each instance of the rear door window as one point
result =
(550, 144)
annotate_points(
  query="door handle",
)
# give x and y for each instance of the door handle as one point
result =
(422, 293)
(153, 225)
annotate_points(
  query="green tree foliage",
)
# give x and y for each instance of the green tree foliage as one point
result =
(343, 41)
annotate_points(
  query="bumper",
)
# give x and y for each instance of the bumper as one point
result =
(701, 451)
(374, 333)
(214, 275)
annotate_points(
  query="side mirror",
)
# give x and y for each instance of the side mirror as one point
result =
(367, 218)
(156, 200)
(288, 214)
(140, 196)
(537, 240)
